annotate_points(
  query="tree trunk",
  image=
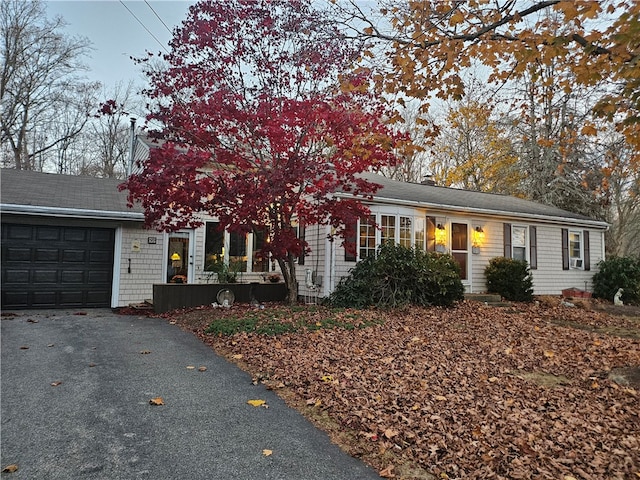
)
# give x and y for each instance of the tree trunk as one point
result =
(288, 268)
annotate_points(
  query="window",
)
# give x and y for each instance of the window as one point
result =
(575, 250)
(213, 247)
(405, 232)
(367, 237)
(519, 243)
(459, 246)
(388, 228)
(259, 261)
(238, 251)
(431, 234)
(241, 252)
(419, 233)
(378, 229)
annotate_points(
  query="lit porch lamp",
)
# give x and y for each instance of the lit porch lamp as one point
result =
(441, 238)
(477, 239)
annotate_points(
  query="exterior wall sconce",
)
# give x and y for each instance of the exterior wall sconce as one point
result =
(477, 239)
(441, 238)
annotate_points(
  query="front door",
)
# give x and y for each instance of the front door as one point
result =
(179, 257)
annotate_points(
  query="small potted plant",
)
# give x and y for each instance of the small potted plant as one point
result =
(273, 277)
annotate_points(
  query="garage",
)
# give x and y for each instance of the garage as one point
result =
(54, 266)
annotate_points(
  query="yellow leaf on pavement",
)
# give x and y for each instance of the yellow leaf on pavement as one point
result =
(257, 403)
(190, 367)
(267, 452)
(10, 468)
(156, 401)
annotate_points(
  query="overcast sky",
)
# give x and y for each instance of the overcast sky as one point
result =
(111, 26)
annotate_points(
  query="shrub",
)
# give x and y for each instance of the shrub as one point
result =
(618, 272)
(509, 278)
(399, 276)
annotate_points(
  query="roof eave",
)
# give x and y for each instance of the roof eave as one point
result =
(483, 211)
(7, 208)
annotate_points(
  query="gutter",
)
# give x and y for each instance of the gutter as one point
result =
(70, 212)
(482, 211)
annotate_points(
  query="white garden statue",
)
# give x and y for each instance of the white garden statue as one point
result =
(617, 298)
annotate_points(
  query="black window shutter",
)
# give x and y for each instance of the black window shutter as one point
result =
(507, 240)
(565, 249)
(587, 250)
(533, 248)
(301, 234)
(350, 243)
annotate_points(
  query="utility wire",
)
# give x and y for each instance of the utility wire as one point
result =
(158, 16)
(145, 27)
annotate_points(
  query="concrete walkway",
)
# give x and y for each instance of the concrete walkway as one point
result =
(97, 423)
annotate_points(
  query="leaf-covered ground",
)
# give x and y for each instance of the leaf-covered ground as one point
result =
(468, 392)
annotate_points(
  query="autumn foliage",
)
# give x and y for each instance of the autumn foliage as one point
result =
(260, 119)
(531, 391)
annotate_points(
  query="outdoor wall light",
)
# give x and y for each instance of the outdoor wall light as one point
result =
(477, 239)
(441, 238)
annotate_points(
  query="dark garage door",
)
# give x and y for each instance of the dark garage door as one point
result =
(56, 266)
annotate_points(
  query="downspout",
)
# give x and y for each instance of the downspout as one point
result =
(132, 145)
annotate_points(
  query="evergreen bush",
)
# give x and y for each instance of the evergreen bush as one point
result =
(509, 278)
(398, 276)
(618, 272)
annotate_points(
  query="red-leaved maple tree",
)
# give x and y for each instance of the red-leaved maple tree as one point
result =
(260, 120)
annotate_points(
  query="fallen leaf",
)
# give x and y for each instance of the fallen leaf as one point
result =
(569, 477)
(202, 368)
(390, 433)
(191, 367)
(492, 379)
(327, 378)
(237, 356)
(549, 354)
(92, 365)
(267, 452)
(257, 403)
(156, 401)
(440, 398)
(24, 347)
(10, 468)
(51, 345)
(145, 352)
(55, 384)
(387, 472)
(31, 320)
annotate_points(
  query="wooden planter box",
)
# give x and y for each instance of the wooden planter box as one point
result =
(170, 296)
(575, 293)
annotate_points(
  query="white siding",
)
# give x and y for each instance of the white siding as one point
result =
(316, 237)
(550, 278)
(146, 265)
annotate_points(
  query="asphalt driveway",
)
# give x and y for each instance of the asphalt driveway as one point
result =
(75, 405)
